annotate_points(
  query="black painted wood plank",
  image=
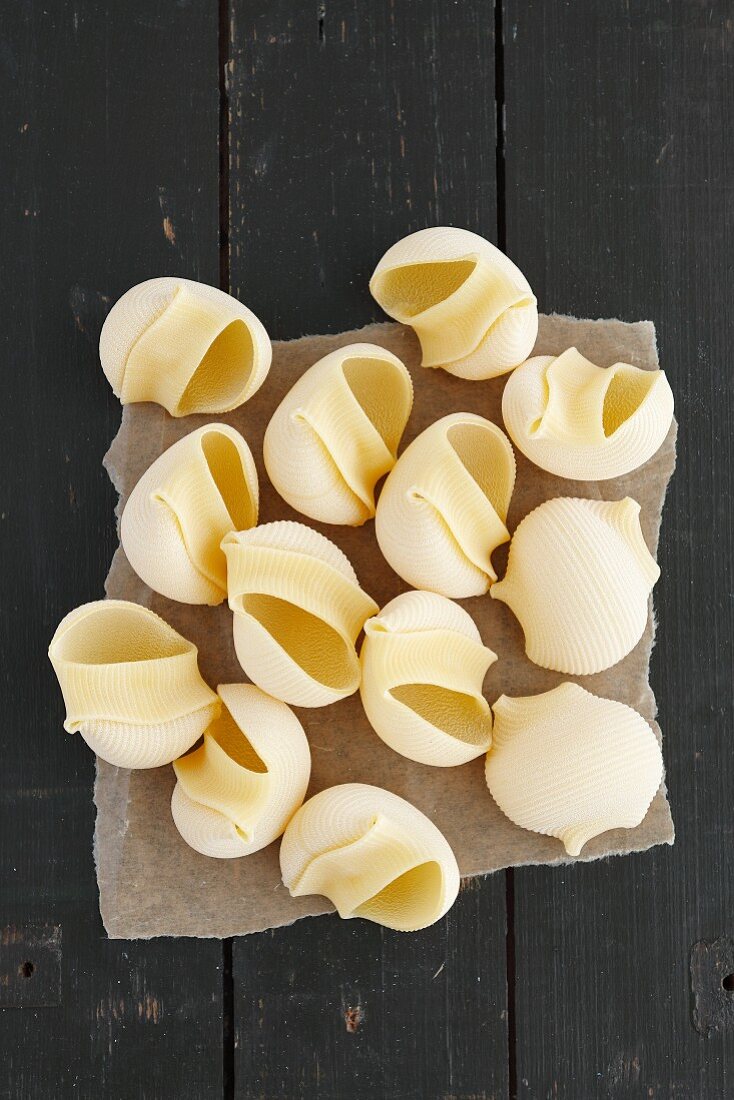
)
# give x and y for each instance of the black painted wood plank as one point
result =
(620, 202)
(352, 125)
(110, 158)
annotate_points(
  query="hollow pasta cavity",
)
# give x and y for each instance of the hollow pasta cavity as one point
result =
(413, 895)
(488, 462)
(172, 526)
(411, 290)
(311, 643)
(232, 481)
(455, 713)
(223, 373)
(336, 433)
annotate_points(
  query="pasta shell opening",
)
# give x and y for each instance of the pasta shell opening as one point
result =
(442, 510)
(383, 395)
(409, 902)
(487, 459)
(119, 635)
(336, 433)
(190, 347)
(233, 740)
(585, 422)
(454, 712)
(408, 291)
(224, 372)
(196, 492)
(230, 477)
(237, 791)
(131, 684)
(625, 394)
(310, 642)
(373, 854)
(471, 307)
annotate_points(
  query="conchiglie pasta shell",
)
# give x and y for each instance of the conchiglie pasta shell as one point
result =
(423, 664)
(238, 791)
(373, 854)
(185, 345)
(443, 508)
(131, 684)
(571, 765)
(578, 578)
(336, 433)
(298, 610)
(471, 308)
(195, 493)
(585, 422)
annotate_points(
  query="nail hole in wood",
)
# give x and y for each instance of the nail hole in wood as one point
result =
(728, 983)
(26, 969)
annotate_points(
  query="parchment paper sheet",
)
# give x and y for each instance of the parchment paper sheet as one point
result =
(151, 883)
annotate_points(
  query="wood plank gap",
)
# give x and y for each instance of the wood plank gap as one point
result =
(499, 99)
(224, 142)
(228, 1029)
(510, 957)
(228, 1063)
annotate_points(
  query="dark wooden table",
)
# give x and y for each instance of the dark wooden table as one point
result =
(277, 148)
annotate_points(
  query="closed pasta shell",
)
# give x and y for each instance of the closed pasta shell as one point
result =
(585, 422)
(579, 577)
(237, 792)
(423, 665)
(298, 610)
(373, 854)
(571, 765)
(131, 684)
(471, 308)
(336, 433)
(443, 508)
(184, 345)
(195, 493)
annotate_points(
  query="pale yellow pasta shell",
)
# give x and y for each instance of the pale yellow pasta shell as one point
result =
(571, 765)
(298, 610)
(185, 345)
(471, 308)
(423, 665)
(195, 493)
(237, 792)
(585, 422)
(336, 433)
(443, 508)
(578, 578)
(131, 684)
(373, 854)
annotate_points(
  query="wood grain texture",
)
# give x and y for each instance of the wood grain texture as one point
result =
(349, 129)
(110, 147)
(620, 202)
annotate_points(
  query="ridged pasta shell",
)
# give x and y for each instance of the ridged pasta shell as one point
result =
(237, 792)
(443, 508)
(585, 422)
(131, 684)
(336, 433)
(471, 308)
(185, 345)
(195, 493)
(578, 578)
(571, 765)
(423, 665)
(298, 610)
(373, 854)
